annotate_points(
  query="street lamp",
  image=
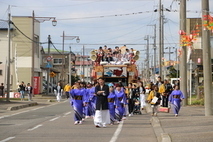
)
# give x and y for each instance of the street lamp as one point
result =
(39, 19)
(70, 58)
(77, 39)
(54, 22)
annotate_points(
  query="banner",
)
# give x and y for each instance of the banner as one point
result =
(36, 88)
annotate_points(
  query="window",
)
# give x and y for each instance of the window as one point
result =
(0, 72)
(58, 61)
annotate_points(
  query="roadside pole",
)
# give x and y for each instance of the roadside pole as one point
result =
(207, 72)
(183, 56)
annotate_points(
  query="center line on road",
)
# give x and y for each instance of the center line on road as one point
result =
(67, 113)
(38, 108)
(55, 118)
(35, 127)
(117, 132)
(7, 139)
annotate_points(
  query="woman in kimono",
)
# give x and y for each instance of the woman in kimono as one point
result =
(89, 109)
(121, 102)
(175, 99)
(84, 89)
(78, 101)
(112, 99)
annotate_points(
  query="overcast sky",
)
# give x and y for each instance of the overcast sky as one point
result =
(94, 21)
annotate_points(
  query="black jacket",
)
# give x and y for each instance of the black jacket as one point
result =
(102, 102)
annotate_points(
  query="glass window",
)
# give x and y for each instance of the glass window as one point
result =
(57, 61)
(0, 72)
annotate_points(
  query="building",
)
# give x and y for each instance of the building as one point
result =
(25, 52)
(83, 66)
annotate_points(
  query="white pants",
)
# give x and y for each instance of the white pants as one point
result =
(102, 117)
(142, 99)
(58, 97)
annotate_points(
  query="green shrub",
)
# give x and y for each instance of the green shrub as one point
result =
(198, 102)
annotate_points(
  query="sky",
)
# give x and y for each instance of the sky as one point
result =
(104, 22)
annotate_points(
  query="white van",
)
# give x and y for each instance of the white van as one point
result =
(173, 80)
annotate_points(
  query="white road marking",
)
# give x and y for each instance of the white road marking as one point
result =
(37, 108)
(35, 127)
(7, 139)
(67, 113)
(4, 116)
(55, 118)
(117, 132)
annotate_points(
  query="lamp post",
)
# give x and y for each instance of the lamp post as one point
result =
(39, 19)
(70, 59)
(8, 59)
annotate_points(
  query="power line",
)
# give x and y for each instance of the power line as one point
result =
(55, 48)
(126, 14)
(26, 35)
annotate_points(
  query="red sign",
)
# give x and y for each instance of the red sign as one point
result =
(49, 58)
(36, 88)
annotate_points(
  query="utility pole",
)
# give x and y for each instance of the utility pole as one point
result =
(48, 70)
(83, 63)
(33, 53)
(162, 34)
(183, 56)
(8, 59)
(147, 56)
(155, 48)
(207, 72)
(160, 39)
(70, 67)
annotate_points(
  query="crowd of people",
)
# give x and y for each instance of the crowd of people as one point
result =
(107, 104)
(118, 55)
(111, 103)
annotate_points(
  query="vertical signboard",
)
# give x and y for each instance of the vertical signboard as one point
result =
(36, 88)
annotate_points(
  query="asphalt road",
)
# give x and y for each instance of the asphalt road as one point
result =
(54, 123)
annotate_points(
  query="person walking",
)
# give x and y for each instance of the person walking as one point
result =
(78, 101)
(112, 99)
(102, 116)
(22, 90)
(58, 91)
(142, 92)
(165, 95)
(131, 96)
(121, 102)
(154, 99)
(29, 90)
(67, 89)
(175, 99)
(2, 90)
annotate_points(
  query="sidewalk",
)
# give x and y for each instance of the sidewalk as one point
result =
(18, 104)
(190, 126)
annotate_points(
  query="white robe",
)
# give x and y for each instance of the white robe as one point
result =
(102, 117)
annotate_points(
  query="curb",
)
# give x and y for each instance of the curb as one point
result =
(159, 132)
(22, 106)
